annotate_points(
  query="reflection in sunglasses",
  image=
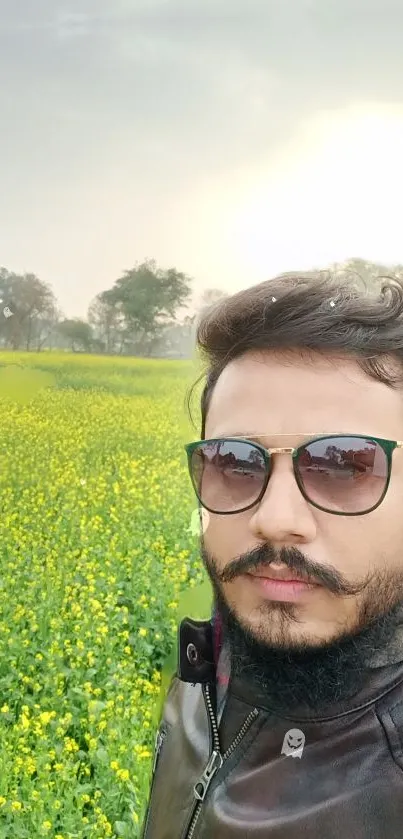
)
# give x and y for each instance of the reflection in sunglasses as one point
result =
(342, 473)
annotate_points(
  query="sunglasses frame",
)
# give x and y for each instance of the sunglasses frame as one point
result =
(388, 446)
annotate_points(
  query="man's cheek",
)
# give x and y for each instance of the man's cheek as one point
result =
(223, 539)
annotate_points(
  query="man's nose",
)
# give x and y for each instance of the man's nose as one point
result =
(283, 516)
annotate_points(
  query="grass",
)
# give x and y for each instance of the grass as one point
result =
(94, 550)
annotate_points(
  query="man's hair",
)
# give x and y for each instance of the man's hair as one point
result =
(365, 322)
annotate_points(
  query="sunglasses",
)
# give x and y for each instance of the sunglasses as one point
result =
(343, 474)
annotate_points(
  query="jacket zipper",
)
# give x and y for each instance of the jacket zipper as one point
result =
(159, 739)
(161, 734)
(216, 759)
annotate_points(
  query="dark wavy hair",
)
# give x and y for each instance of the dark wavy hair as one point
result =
(365, 322)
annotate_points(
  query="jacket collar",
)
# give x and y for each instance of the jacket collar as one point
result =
(196, 664)
(379, 682)
(196, 652)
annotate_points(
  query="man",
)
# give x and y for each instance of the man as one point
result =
(297, 730)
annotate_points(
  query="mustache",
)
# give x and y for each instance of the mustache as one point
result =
(264, 556)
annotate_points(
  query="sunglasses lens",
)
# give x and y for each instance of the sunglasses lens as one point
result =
(227, 475)
(343, 474)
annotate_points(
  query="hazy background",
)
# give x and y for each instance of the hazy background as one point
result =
(233, 140)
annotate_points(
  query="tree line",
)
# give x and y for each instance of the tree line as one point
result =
(137, 316)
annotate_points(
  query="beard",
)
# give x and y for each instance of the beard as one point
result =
(294, 674)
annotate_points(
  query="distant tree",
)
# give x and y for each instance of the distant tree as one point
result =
(209, 297)
(78, 334)
(45, 327)
(107, 321)
(367, 271)
(148, 298)
(177, 339)
(26, 305)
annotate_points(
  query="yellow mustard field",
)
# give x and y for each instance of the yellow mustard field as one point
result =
(95, 549)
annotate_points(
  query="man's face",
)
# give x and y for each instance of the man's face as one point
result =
(261, 392)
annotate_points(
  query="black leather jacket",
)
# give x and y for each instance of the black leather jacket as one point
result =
(259, 775)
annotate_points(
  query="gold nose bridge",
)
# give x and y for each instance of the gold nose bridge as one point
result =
(289, 450)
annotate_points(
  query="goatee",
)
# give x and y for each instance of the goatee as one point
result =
(296, 675)
(314, 678)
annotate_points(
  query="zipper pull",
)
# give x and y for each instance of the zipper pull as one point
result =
(214, 764)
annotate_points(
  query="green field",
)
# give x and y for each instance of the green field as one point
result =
(95, 550)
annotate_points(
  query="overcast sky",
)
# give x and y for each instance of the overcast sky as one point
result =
(230, 139)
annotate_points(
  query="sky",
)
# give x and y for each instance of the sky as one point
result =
(231, 140)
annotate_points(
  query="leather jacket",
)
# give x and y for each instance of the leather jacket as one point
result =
(260, 775)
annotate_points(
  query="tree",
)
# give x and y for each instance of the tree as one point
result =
(147, 297)
(209, 297)
(45, 327)
(369, 272)
(78, 333)
(31, 304)
(177, 339)
(212, 295)
(107, 321)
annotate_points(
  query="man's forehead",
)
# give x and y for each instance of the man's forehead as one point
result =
(270, 366)
(323, 395)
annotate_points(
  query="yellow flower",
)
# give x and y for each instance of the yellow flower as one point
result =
(73, 524)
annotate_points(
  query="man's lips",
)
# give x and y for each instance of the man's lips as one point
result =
(281, 586)
(280, 576)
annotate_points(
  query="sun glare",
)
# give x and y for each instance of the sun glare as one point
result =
(333, 193)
